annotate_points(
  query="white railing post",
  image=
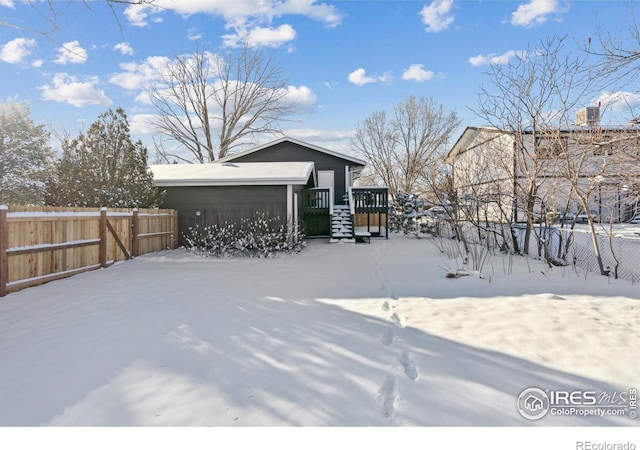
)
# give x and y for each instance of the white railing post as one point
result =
(331, 201)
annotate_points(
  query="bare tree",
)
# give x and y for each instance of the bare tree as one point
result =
(558, 163)
(50, 11)
(482, 192)
(409, 146)
(534, 97)
(620, 54)
(209, 103)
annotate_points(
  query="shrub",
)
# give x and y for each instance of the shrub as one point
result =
(257, 237)
(406, 213)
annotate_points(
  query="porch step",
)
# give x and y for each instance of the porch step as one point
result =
(341, 224)
(342, 241)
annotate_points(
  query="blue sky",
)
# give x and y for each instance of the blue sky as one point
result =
(344, 59)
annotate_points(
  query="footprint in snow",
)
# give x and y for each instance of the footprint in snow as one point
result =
(408, 365)
(385, 306)
(399, 320)
(388, 337)
(387, 396)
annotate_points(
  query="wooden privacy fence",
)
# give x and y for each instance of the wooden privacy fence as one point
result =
(41, 244)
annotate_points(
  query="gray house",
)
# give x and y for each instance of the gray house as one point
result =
(308, 186)
(333, 170)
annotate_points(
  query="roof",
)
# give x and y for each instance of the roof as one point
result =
(470, 134)
(232, 174)
(327, 151)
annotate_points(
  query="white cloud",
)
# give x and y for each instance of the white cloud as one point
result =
(238, 11)
(144, 98)
(124, 48)
(359, 77)
(15, 51)
(7, 3)
(261, 36)
(37, 63)
(536, 12)
(437, 15)
(143, 123)
(301, 98)
(618, 101)
(193, 34)
(65, 88)
(315, 135)
(140, 75)
(242, 16)
(416, 72)
(484, 60)
(137, 14)
(71, 52)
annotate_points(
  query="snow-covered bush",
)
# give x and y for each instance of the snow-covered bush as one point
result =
(405, 213)
(259, 237)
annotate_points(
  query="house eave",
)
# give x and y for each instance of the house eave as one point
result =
(208, 183)
(351, 159)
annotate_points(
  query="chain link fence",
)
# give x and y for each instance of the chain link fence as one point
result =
(620, 253)
(619, 247)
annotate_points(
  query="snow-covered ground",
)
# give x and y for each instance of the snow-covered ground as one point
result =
(338, 335)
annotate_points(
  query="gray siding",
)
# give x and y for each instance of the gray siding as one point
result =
(290, 151)
(219, 204)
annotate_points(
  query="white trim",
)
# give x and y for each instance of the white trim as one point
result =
(352, 207)
(237, 174)
(331, 201)
(347, 177)
(295, 216)
(176, 183)
(289, 208)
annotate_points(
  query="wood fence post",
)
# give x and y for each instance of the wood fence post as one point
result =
(175, 229)
(4, 243)
(103, 237)
(135, 229)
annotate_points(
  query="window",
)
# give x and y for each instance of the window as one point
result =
(550, 147)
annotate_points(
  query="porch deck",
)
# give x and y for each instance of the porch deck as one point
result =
(368, 209)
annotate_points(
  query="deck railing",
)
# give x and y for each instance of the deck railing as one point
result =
(369, 199)
(370, 204)
(317, 201)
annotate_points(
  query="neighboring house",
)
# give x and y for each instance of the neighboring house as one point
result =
(306, 185)
(499, 175)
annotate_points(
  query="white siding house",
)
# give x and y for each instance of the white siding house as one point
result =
(498, 175)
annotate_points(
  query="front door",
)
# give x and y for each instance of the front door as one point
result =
(326, 180)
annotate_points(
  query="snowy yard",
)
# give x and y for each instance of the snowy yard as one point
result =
(338, 335)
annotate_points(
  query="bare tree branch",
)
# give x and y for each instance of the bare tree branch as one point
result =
(53, 10)
(402, 151)
(205, 98)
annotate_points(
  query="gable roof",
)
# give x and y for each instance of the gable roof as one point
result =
(232, 174)
(327, 151)
(471, 133)
(468, 136)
